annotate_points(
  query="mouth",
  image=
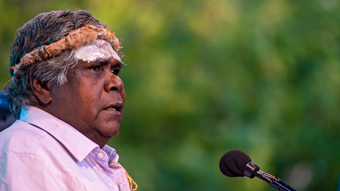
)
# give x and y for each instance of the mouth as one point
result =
(115, 107)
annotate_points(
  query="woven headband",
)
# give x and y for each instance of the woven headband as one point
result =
(75, 39)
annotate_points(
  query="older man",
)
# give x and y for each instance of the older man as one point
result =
(68, 97)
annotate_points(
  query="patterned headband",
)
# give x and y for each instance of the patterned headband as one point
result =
(75, 39)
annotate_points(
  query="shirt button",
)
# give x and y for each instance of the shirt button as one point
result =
(113, 186)
(100, 155)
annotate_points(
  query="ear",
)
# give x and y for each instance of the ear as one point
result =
(42, 91)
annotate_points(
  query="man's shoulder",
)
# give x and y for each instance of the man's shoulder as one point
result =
(21, 137)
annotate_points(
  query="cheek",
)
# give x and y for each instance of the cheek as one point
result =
(90, 90)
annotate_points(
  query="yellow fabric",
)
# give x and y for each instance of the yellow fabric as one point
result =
(130, 180)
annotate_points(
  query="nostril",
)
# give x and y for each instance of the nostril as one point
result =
(113, 89)
(114, 83)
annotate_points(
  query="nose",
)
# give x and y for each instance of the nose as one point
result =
(114, 83)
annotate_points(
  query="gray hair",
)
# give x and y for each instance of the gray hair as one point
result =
(44, 29)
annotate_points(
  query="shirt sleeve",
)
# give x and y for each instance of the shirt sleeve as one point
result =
(26, 172)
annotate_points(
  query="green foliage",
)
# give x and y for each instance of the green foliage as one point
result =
(206, 77)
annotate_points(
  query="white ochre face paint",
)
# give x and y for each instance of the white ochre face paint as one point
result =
(99, 49)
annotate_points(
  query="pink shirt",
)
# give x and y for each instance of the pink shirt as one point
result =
(55, 156)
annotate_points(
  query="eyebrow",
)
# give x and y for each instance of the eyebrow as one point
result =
(109, 60)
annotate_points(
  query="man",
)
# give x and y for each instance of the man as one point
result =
(69, 101)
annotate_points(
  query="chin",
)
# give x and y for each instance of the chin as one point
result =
(110, 131)
(114, 133)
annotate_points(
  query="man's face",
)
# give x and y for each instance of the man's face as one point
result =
(93, 98)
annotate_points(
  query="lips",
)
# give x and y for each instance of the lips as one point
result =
(118, 106)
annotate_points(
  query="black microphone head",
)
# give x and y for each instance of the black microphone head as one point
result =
(233, 163)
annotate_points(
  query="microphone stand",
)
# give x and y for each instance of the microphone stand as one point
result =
(253, 170)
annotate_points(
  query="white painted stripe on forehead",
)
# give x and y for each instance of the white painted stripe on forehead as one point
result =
(97, 49)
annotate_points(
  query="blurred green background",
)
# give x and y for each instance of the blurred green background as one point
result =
(206, 77)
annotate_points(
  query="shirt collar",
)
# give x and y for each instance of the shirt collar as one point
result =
(112, 155)
(75, 142)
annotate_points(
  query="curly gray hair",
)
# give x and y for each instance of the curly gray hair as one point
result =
(44, 29)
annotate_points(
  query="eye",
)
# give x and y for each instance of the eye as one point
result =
(95, 68)
(115, 71)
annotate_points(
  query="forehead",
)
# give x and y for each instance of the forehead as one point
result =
(98, 50)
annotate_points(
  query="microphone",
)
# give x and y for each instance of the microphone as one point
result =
(236, 163)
